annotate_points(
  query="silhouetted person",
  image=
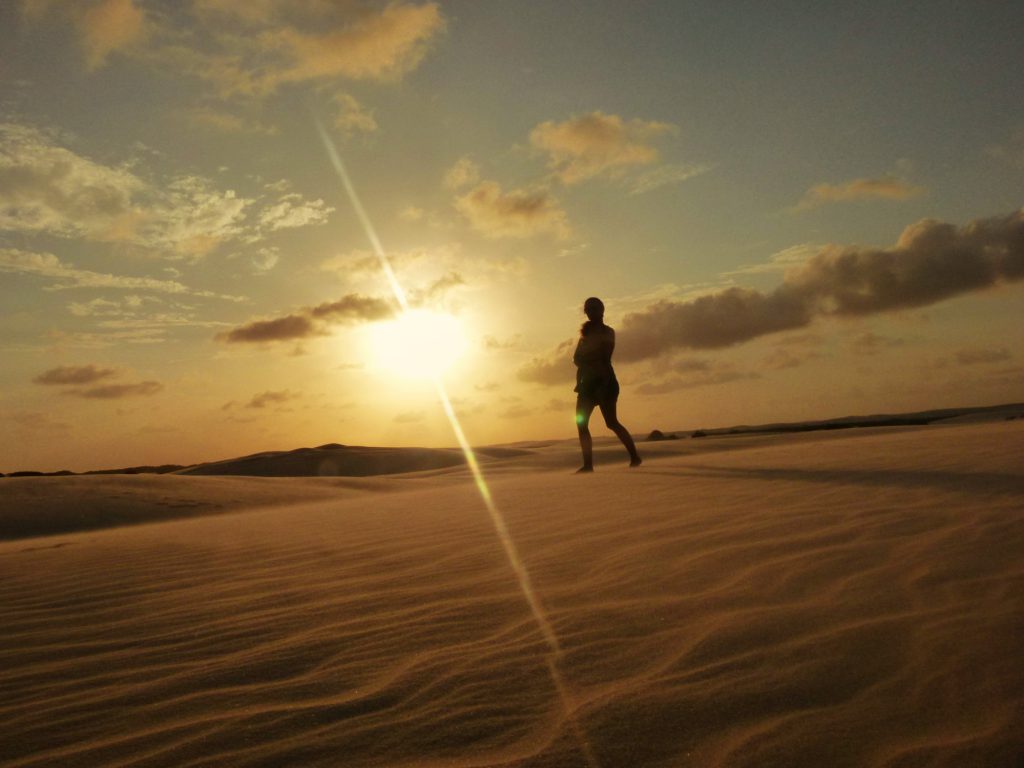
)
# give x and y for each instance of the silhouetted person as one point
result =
(596, 384)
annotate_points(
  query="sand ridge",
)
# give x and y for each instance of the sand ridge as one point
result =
(842, 600)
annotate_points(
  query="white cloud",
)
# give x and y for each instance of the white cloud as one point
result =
(46, 188)
(191, 218)
(265, 260)
(292, 211)
(666, 175)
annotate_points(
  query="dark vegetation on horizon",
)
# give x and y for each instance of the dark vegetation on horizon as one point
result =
(1009, 411)
(370, 457)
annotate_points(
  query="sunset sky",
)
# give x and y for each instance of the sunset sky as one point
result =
(790, 211)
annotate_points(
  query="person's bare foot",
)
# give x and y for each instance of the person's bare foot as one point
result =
(585, 468)
(636, 461)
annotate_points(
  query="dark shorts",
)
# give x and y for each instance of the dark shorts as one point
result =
(593, 392)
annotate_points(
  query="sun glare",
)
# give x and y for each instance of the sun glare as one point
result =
(418, 344)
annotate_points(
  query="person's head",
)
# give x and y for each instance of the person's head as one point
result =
(593, 308)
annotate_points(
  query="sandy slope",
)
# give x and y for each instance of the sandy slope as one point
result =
(849, 599)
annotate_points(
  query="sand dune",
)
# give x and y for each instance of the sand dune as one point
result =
(344, 460)
(828, 599)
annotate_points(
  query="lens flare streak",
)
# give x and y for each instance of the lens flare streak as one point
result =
(497, 519)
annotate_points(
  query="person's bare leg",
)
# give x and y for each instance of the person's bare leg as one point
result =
(611, 419)
(586, 441)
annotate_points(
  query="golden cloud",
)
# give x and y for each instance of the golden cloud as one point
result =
(109, 26)
(517, 213)
(882, 188)
(597, 144)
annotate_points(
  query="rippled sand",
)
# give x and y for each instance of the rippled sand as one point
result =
(850, 599)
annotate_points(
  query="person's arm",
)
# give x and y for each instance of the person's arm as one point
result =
(578, 357)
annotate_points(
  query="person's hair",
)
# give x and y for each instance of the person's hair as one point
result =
(594, 310)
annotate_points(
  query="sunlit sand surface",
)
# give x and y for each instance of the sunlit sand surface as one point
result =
(823, 599)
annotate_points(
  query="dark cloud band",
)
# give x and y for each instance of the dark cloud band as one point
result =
(930, 262)
(311, 321)
(73, 374)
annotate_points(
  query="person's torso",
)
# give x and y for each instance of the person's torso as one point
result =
(594, 353)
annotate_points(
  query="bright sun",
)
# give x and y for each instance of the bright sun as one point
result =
(418, 344)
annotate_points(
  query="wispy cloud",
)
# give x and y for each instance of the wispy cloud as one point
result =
(464, 173)
(103, 27)
(64, 375)
(351, 116)
(552, 368)
(289, 212)
(437, 289)
(34, 421)
(691, 374)
(516, 412)
(48, 266)
(982, 355)
(363, 263)
(782, 358)
(220, 119)
(279, 397)
(106, 338)
(76, 376)
(880, 188)
(779, 261)
(869, 343)
(666, 175)
(119, 391)
(597, 144)
(1010, 151)
(410, 417)
(494, 343)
